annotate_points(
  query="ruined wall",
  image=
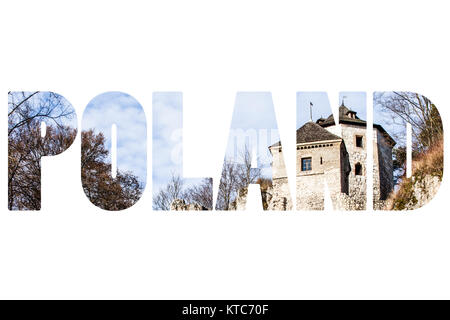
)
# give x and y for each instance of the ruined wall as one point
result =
(181, 205)
(281, 202)
(278, 196)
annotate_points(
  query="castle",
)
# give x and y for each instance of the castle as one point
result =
(334, 155)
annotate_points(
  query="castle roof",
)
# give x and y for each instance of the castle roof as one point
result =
(315, 131)
(312, 132)
(347, 116)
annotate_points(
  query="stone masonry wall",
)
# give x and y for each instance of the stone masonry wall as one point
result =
(326, 169)
(279, 198)
(356, 155)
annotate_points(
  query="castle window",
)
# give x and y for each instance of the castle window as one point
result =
(359, 142)
(321, 160)
(358, 169)
(306, 164)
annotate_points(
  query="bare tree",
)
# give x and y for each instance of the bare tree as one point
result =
(201, 194)
(26, 147)
(425, 120)
(25, 150)
(26, 107)
(419, 111)
(167, 194)
(246, 174)
(236, 176)
(229, 186)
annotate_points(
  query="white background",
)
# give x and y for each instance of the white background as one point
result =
(210, 50)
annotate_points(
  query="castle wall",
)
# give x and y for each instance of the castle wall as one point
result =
(356, 197)
(383, 169)
(326, 170)
(347, 189)
(356, 155)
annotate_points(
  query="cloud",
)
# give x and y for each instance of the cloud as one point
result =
(128, 115)
(253, 126)
(167, 137)
(167, 143)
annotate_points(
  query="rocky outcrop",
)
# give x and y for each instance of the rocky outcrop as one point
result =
(415, 193)
(428, 171)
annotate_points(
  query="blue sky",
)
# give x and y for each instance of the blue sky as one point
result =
(355, 101)
(42, 99)
(253, 124)
(129, 116)
(167, 143)
(167, 137)
(394, 128)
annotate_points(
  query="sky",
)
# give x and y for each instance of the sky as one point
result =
(396, 129)
(167, 127)
(355, 101)
(253, 124)
(44, 98)
(129, 117)
(167, 143)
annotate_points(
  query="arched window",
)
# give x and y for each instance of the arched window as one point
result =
(358, 169)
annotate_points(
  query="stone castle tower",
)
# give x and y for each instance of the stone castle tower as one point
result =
(334, 155)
